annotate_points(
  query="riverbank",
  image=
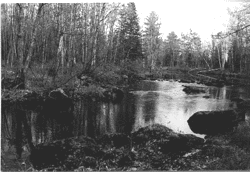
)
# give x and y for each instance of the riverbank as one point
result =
(105, 84)
(154, 147)
(108, 82)
(213, 77)
(112, 155)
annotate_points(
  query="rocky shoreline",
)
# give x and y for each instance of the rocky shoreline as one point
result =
(155, 147)
(152, 147)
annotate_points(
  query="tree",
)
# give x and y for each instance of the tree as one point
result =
(59, 37)
(173, 49)
(33, 36)
(231, 48)
(191, 47)
(238, 38)
(151, 39)
(129, 36)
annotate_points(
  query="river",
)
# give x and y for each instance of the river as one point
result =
(145, 103)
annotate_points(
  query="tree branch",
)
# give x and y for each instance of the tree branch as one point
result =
(219, 35)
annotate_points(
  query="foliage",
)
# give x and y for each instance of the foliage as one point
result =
(70, 39)
(191, 47)
(152, 40)
(232, 158)
(187, 51)
(49, 77)
(241, 137)
(93, 91)
(129, 36)
(231, 48)
(107, 74)
(173, 50)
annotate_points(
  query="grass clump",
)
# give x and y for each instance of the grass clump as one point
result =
(233, 158)
(241, 137)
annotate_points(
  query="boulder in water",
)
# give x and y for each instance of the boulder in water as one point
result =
(193, 90)
(215, 122)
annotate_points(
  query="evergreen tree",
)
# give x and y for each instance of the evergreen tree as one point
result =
(151, 39)
(129, 35)
(173, 48)
(191, 48)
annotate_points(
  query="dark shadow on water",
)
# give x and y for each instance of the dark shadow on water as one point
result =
(150, 102)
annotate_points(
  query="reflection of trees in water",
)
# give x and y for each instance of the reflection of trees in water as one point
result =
(85, 115)
(227, 93)
(16, 128)
(57, 120)
(8, 129)
(148, 110)
(54, 121)
(189, 106)
(22, 126)
(93, 118)
(149, 106)
(125, 114)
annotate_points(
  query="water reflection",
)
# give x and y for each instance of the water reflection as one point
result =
(152, 102)
(170, 106)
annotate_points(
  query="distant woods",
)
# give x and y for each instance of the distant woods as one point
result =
(66, 35)
(63, 36)
(228, 50)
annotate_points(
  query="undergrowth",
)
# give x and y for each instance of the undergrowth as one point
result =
(236, 155)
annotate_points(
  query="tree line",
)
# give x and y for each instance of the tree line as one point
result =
(67, 35)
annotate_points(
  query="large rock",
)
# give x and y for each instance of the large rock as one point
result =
(193, 89)
(214, 122)
(165, 139)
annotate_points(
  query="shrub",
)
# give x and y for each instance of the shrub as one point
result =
(232, 158)
(107, 74)
(241, 137)
(91, 90)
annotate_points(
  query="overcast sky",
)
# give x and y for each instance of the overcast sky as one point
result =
(205, 17)
(202, 16)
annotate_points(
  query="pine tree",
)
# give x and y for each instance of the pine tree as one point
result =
(173, 48)
(151, 39)
(129, 35)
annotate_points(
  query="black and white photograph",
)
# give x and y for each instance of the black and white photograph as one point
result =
(125, 85)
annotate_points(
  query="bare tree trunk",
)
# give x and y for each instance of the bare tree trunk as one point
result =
(70, 49)
(33, 37)
(20, 29)
(111, 38)
(44, 56)
(116, 47)
(100, 13)
(205, 60)
(60, 35)
(60, 53)
(84, 40)
(219, 57)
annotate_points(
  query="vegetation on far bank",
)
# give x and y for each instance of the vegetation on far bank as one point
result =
(53, 40)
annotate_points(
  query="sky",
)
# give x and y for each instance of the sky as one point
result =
(205, 17)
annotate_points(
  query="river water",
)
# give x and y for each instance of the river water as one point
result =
(145, 103)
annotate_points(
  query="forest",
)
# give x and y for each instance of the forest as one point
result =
(66, 38)
(83, 82)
